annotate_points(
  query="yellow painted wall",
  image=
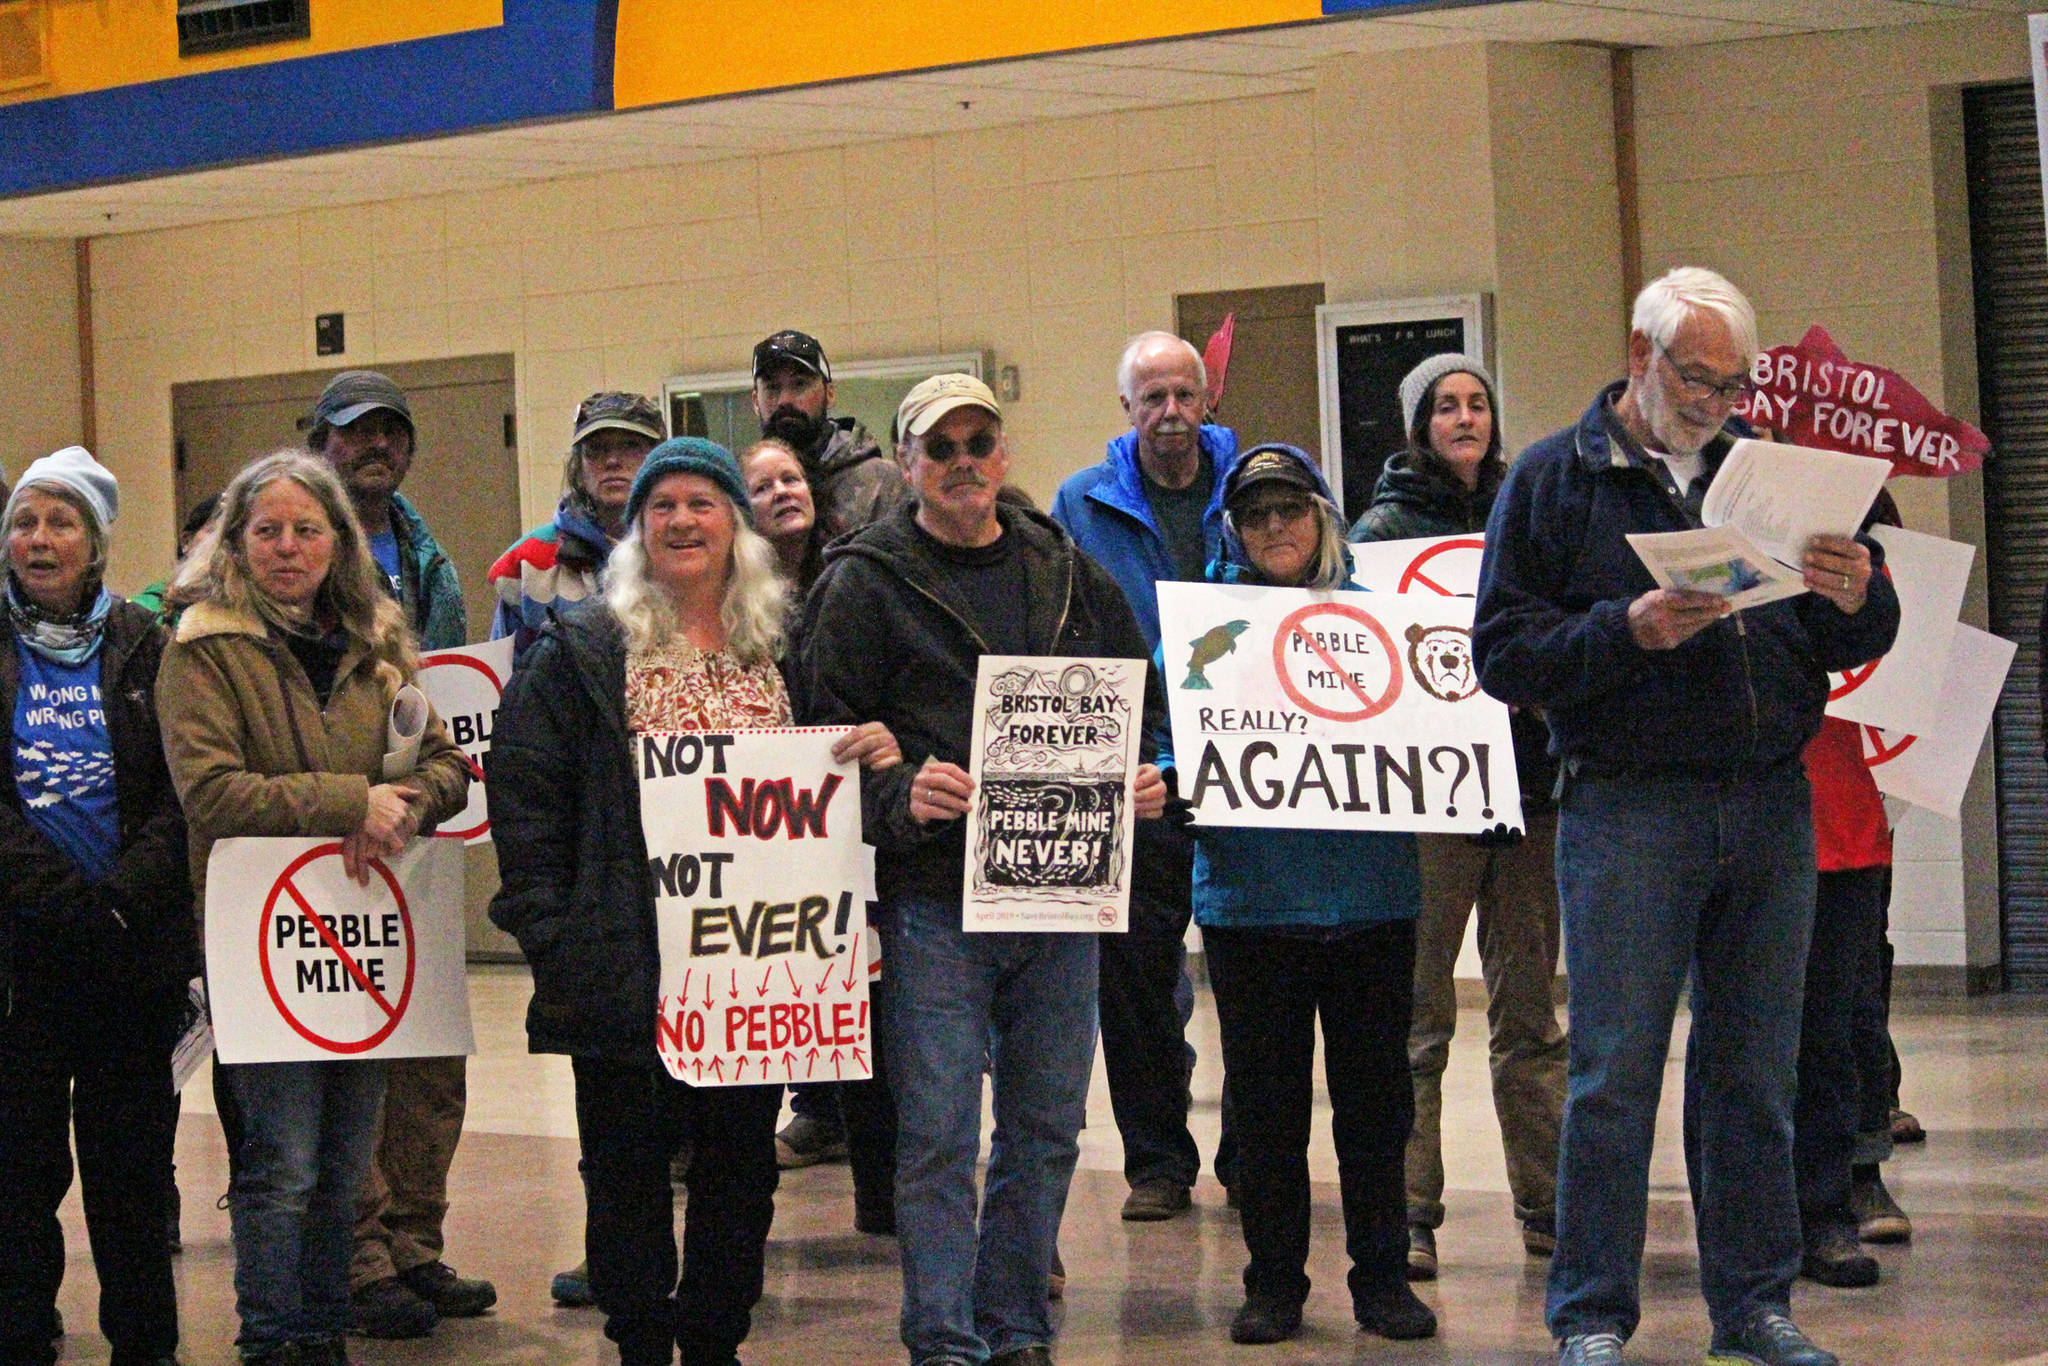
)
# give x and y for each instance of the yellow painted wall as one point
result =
(101, 44)
(672, 50)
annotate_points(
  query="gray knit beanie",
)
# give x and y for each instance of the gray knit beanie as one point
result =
(85, 478)
(1415, 388)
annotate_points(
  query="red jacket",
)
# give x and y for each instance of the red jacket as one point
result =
(1849, 828)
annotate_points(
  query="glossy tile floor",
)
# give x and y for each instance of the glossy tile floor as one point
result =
(1972, 1288)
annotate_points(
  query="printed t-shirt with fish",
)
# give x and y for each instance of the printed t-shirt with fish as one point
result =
(64, 760)
(677, 686)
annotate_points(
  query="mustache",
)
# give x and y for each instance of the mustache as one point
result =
(966, 479)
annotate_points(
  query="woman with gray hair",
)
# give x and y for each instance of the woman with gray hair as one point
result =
(685, 638)
(276, 692)
(96, 933)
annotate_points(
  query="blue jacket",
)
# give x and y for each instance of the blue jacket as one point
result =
(431, 594)
(1105, 510)
(1251, 878)
(1551, 625)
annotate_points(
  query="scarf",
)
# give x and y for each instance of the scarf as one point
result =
(66, 640)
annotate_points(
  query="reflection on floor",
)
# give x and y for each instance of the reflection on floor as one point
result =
(1972, 1288)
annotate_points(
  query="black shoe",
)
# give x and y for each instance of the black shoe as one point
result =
(879, 1220)
(1151, 1201)
(1833, 1258)
(1395, 1313)
(571, 1288)
(323, 1352)
(172, 1240)
(1037, 1354)
(451, 1295)
(1767, 1340)
(1878, 1217)
(805, 1142)
(389, 1309)
(1263, 1319)
(1539, 1235)
(271, 1354)
(1421, 1252)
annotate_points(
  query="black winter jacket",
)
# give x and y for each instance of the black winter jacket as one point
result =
(61, 933)
(1417, 498)
(565, 819)
(885, 637)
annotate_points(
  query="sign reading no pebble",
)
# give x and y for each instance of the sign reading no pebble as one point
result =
(304, 964)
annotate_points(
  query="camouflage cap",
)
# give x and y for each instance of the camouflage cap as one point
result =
(635, 413)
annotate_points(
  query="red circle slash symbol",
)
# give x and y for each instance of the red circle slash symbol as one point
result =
(1413, 574)
(1876, 751)
(1293, 627)
(393, 1012)
(1852, 679)
(480, 825)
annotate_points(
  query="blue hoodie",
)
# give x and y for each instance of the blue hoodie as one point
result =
(1253, 877)
(1105, 510)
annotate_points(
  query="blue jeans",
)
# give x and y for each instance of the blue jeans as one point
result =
(308, 1130)
(1657, 878)
(1024, 1005)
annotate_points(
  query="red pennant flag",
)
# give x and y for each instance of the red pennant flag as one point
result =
(1813, 395)
(1216, 359)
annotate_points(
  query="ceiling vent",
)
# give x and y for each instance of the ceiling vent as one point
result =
(217, 25)
(24, 44)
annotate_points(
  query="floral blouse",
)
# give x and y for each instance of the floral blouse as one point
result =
(677, 686)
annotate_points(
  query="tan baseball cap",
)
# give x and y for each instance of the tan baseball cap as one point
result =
(933, 398)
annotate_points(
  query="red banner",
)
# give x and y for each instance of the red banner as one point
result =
(1813, 395)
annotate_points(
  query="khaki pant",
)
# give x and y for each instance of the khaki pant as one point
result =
(1515, 888)
(405, 1196)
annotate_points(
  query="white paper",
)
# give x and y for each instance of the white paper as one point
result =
(1718, 560)
(1055, 756)
(305, 965)
(1445, 565)
(1933, 769)
(464, 687)
(1333, 711)
(1902, 690)
(402, 733)
(754, 840)
(1782, 496)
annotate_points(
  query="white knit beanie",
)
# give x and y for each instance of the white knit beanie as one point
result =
(75, 469)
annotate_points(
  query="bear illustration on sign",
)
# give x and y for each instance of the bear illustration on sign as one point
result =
(1215, 643)
(1440, 658)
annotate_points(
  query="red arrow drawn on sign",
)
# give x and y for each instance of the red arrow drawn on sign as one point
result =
(700, 1069)
(707, 991)
(852, 968)
(827, 977)
(718, 1068)
(334, 946)
(812, 1062)
(837, 1057)
(735, 984)
(789, 1062)
(684, 994)
(740, 1070)
(794, 985)
(762, 990)
(860, 1057)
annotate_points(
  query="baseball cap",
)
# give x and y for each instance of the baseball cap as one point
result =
(794, 348)
(634, 413)
(352, 393)
(931, 399)
(1274, 464)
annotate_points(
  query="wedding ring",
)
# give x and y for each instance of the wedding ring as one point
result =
(1845, 580)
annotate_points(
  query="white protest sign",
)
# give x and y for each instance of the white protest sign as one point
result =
(1349, 711)
(464, 685)
(754, 847)
(1445, 565)
(305, 965)
(1055, 755)
(1901, 690)
(1933, 768)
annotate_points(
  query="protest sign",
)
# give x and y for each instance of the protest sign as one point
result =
(1901, 690)
(464, 685)
(1055, 754)
(760, 902)
(1351, 711)
(1932, 769)
(1812, 394)
(305, 965)
(1445, 565)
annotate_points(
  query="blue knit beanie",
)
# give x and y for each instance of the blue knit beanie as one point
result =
(689, 455)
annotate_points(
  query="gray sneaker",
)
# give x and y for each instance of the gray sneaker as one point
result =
(1590, 1349)
(1767, 1340)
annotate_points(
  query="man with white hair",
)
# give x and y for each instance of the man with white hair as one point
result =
(1685, 834)
(1153, 511)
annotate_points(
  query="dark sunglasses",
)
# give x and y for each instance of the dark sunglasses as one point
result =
(943, 448)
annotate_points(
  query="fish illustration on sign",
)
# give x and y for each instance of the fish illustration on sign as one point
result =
(1214, 643)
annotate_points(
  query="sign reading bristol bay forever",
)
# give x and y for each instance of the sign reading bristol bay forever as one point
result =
(1356, 711)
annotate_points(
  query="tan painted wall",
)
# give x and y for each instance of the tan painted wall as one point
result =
(39, 410)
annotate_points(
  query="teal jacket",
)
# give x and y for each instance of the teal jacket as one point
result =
(430, 592)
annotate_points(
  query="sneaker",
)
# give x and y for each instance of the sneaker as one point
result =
(1905, 1128)
(1590, 1349)
(1151, 1201)
(804, 1142)
(1767, 1340)
(1878, 1217)
(388, 1309)
(1263, 1319)
(1539, 1235)
(1833, 1258)
(452, 1296)
(1421, 1252)
(1395, 1313)
(571, 1288)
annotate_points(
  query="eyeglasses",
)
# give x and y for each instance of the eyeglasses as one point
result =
(1699, 384)
(943, 448)
(1260, 511)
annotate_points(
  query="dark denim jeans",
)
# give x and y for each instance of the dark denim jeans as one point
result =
(1023, 1007)
(1146, 1000)
(308, 1129)
(1657, 878)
